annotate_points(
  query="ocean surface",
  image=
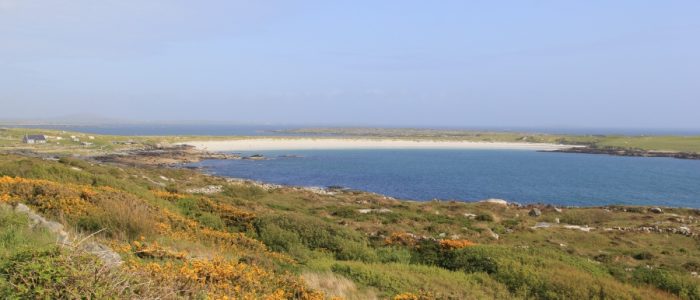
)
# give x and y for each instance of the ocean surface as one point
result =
(468, 175)
(167, 129)
(256, 130)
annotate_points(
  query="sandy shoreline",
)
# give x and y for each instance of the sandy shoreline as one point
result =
(260, 144)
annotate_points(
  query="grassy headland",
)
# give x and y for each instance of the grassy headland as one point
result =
(184, 234)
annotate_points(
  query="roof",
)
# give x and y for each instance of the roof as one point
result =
(36, 137)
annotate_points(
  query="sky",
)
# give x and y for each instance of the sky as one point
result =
(626, 64)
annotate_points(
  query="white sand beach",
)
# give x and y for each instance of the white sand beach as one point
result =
(260, 144)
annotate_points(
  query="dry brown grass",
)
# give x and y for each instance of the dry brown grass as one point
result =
(124, 216)
(334, 285)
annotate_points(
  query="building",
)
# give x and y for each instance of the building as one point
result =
(34, 139)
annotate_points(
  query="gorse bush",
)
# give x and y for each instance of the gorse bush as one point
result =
(127, 217)
(191, 208)
(73, 171)
(120, 214)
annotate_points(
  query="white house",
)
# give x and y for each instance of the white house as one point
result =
(34, 139)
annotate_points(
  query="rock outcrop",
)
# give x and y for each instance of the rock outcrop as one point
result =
(106, 254)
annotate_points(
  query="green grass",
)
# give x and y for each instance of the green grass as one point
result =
(659, 143)
(670, 143)
(16, 235)
(326, 233)
(393, 278)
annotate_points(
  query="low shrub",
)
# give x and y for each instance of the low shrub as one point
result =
(584, 217)
(678, 284)
(51, 274)
(287, 230)
(247, 192)
(511, 223)
(644, 255)
(394, 278)
(484, 217)
(531, 273)
(191, 207)
(393, 255)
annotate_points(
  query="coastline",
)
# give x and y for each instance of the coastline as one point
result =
(327, 190)
(360, 220)
(261, 144)
(629, 152)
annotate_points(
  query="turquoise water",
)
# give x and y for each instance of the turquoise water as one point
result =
(520, 176)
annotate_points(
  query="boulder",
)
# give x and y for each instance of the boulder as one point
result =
(542, 225)
(21, 208)
(495, 201)
(105, 253)
(576, 227)
(684, 230)
(54, 227)
(491, 234)
(535, 212)
(554, 208)
(370, 210)
(656, 210)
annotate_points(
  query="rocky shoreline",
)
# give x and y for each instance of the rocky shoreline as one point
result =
(627, 152)
(164, 156)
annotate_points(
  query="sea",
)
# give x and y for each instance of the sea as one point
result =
(521, 176)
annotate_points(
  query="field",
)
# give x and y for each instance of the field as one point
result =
(669, 143)
(660, 143)
(183, 234)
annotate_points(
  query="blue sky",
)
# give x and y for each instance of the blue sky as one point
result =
(373, 63)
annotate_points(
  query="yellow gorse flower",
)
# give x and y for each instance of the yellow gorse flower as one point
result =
(215, 276)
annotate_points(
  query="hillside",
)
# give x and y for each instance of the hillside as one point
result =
(183, 234)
